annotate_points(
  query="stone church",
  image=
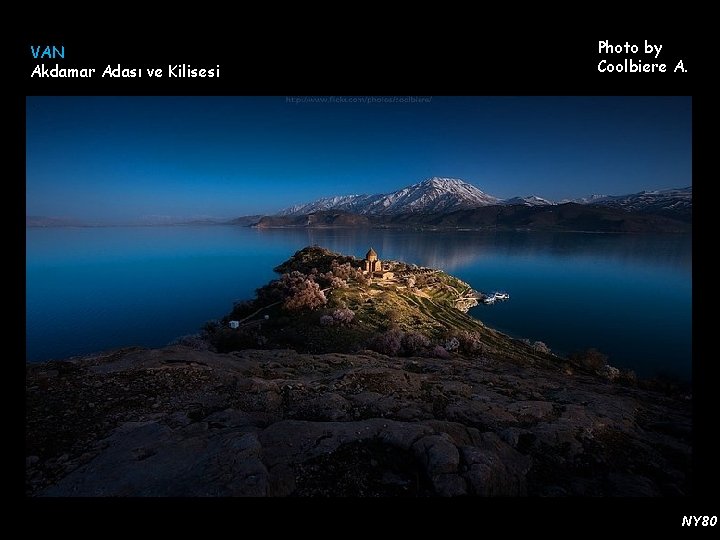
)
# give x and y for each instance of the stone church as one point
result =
(373, 267)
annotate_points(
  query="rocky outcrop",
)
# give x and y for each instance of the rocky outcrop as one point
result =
(464, 303)
(181, 422)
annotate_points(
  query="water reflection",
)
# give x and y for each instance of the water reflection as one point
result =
(453, 250)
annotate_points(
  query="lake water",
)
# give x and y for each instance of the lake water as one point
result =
(90, 289)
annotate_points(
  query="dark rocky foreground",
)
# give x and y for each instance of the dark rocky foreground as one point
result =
(181, 422)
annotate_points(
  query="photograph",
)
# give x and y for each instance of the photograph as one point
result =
(358, 296)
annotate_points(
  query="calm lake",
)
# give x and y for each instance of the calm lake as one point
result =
(630, 296)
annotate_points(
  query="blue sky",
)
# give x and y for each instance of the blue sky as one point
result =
(118, 159)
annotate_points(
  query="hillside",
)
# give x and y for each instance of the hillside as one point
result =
(42, 221)
(562, 217)
(417, 312)
(317, 219)
(673, 203)
(540, 217)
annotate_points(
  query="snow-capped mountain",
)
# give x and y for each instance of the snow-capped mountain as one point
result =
(530, 200)
(431, 195)
(348, 203)
(665, 200)
(443, 195)
(591, 199)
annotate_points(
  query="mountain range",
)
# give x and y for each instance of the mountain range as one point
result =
(671, 202)
(443, 195)
(450, 203)
(453, 203)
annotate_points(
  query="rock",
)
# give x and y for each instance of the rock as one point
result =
(142, 459)
(494, 468)
(449, 485)
(229, 418)
(281, 481)
(410, 413)
(457, 388)
(402, 434)
(458, 433)
(557, 440)
(480, 415)
(553, 491)
(530, 411)
(280, 423)
(437, 454)
(517, 437)
(609, 372)
(327, 406)
(441, 459)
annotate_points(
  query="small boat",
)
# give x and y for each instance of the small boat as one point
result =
(494, 297)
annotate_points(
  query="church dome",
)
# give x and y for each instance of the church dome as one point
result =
(371, 255)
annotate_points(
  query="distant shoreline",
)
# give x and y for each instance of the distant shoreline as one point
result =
(348, 227)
